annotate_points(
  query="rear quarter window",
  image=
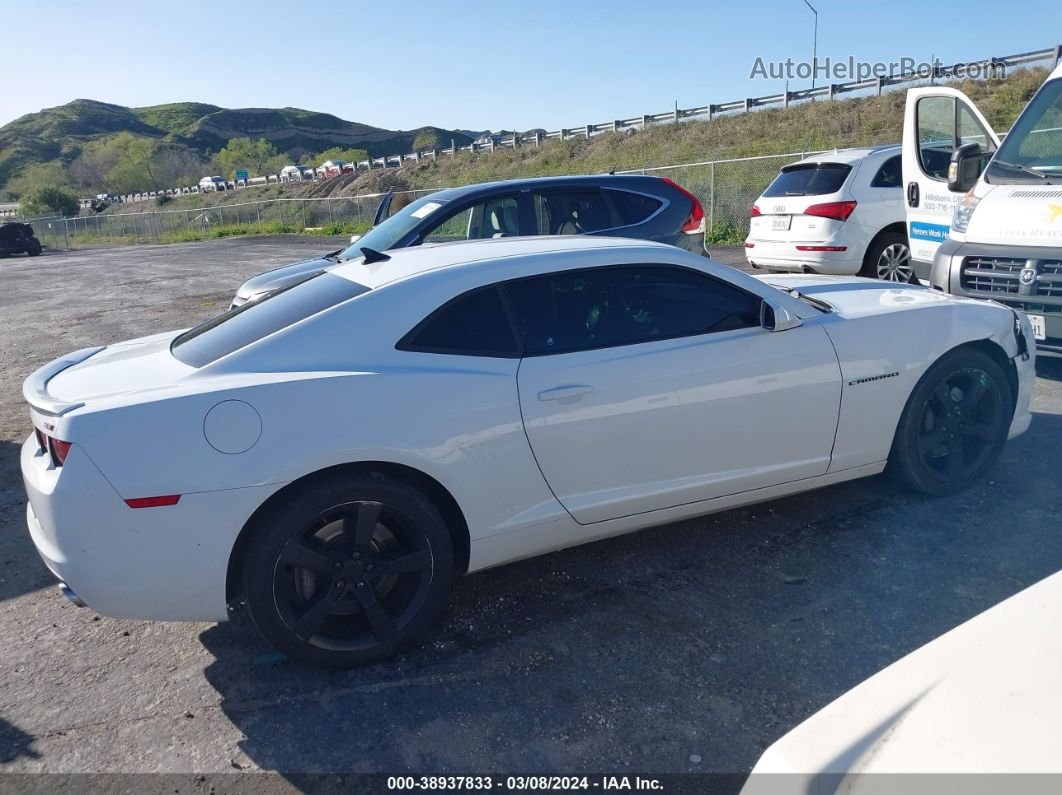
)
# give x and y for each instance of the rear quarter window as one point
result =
(809, 179)
(253, 321)
(633, 208)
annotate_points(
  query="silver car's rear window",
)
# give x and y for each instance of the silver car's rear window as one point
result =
(249, 323)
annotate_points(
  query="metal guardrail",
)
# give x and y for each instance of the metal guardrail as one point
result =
(708, 111)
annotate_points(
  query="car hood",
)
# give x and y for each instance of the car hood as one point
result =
(1015, 214)
(852, 296)
(985, 697)
(284, 276)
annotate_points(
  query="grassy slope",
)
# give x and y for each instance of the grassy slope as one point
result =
(809, 126)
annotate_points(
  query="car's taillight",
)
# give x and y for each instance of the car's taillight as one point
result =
(754, 212)
(153, 502)
(838, 211)
(694, 223)
(42, 440)
(60, 450)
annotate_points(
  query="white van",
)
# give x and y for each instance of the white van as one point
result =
(984, 217)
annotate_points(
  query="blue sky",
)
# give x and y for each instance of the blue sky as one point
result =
(470, 64)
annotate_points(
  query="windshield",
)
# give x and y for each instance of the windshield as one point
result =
(390, 232)
(809, 179)
(1032, 149)
(255, 320)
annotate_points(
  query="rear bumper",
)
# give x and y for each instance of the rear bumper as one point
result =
(168, 563)
(784, 256)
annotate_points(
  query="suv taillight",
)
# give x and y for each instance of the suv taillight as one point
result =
(754, 212)
(838, 211)
(694, 223)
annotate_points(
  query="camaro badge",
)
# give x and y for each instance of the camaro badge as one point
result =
(870, 378)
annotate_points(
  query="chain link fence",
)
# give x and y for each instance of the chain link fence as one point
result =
(726, 188)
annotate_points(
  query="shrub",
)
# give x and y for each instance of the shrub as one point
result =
(50, 199)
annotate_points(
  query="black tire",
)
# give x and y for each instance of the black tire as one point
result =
(889, 258)
(348, 570)
(954, 425)
(34, 252)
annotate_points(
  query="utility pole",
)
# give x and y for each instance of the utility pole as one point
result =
(814, 43)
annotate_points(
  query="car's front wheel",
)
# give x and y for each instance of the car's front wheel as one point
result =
(348, 569)
(889, 259)
(954, 425)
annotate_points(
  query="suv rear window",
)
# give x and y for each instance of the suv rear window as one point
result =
(249, 323)
(809, 179)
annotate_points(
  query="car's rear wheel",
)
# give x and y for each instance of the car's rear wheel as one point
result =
(954, 425)
(889, 259)
(348, 570)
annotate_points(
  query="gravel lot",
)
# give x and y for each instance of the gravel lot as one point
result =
(688, 647)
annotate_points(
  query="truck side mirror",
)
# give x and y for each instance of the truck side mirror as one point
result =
(964, 168)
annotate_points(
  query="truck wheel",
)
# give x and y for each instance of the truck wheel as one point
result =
(889, 258)
(954, 425)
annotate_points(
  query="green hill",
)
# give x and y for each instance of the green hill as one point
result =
(44, 147)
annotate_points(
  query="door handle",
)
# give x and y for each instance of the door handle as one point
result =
(912, 194)
(566, 394)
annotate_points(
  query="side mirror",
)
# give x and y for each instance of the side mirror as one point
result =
(775, 317)
(964, 168)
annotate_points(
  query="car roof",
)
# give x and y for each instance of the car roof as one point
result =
(408, 263)
(631, 181)
(852, 155)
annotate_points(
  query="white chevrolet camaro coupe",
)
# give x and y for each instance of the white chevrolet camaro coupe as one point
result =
(335, 453)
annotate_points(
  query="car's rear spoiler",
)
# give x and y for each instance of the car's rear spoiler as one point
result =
(35, 389)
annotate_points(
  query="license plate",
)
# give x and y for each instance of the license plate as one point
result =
(1039, 327)
(780, 223)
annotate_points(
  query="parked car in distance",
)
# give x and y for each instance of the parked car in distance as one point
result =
(212, 184)
(18, 238)
(648, 208)
(836, 213)
(337, 452)
(984, 698)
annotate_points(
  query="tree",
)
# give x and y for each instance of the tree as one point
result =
(336, 153)
(50, 199)
(37, 175)
(256, 157)
(426, 139)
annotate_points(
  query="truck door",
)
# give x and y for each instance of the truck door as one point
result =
(936, 121)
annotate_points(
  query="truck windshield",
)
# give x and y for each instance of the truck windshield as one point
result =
(1032, 150)
(390, 232)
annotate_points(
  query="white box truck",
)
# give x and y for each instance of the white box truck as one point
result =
(984, 216)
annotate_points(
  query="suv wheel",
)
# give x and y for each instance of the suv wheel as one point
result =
(889, 259)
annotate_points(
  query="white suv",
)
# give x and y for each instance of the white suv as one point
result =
(837, 213)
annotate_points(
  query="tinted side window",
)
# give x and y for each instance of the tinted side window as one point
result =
(572, 212)
(809, 179)
(935, 118)
(473, 324)
(498, 217)
(603, 307)
(633, 208)
(888, 175)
